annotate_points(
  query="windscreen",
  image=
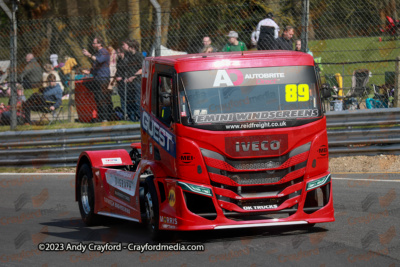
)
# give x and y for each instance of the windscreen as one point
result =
(250, 97)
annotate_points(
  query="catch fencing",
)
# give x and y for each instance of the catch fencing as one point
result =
(349, 133)
(343, 36)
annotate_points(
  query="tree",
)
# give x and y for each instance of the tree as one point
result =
(134, 24)
(165, 17)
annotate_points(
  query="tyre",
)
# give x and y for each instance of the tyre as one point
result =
(151, 207)
(86, 198)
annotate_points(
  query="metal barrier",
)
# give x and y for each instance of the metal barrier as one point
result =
(358, 132)
(364, 132)
(61, 148)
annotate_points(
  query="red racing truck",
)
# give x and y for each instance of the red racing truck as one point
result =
(228, 140)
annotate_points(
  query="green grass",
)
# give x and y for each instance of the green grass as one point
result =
(354, 50)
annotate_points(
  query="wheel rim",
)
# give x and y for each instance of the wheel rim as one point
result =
(85, 194)
(150, 210)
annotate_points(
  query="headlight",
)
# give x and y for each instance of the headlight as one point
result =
(319, 182)
(196, 188)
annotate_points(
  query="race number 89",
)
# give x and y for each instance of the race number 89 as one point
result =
(294, 92)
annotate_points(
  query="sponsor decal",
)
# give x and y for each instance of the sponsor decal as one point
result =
(235, 77)
(146, 69)
(110, 161)
(168, 220)
(323, 151)
(122, 180)
(256, 125)
(158, 133)
(232, 76)
(171, 198)
(262, 207)
(257, 145)
(121, 195)
(117, 205)
(167, 226)
(256, 116)
(186, 158)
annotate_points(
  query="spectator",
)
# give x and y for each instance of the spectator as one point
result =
(54, 60)
(206, 45)
(31, 77)
(113, 65)
(266, 33)
(233, 43)
(101, 78)
(51, 98)
(285, 42)
(119, 78)
(5, 111)
(134, 61)
(66, 68)
(69, 65)
(208, 49)
(49, 69)
(298, 47)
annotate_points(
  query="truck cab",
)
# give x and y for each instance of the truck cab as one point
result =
(228, 140)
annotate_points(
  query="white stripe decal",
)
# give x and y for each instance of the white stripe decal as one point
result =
(259, 224)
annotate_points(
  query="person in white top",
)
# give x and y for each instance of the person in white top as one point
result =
(266, 32)
(269, 21)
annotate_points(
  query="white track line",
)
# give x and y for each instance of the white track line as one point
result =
(371, 180)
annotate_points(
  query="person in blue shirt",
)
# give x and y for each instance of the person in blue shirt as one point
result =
(101, 78)
(51, 98)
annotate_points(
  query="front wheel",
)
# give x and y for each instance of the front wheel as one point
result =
(86, 195)
(152, 209)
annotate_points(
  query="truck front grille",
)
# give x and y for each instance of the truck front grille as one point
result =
(251, 185)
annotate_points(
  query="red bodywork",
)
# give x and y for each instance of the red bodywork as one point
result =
(217, 204)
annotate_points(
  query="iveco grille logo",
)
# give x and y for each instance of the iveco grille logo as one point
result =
(257, 146)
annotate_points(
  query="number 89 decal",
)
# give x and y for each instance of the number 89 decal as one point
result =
(297, 93)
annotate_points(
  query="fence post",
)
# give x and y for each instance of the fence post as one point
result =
(71, 92)
(304, 25)
(157, 44)
(13, 65)
(397, 84)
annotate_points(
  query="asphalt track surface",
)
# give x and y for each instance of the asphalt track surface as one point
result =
(40, 208)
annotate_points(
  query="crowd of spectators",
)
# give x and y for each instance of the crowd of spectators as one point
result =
(114, 70)
(118, 69)
(264, 37)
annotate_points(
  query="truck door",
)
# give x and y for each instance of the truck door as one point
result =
(162, 106)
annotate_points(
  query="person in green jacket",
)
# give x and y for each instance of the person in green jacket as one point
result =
(233, 43)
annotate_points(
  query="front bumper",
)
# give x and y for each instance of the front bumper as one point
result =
(190, 206)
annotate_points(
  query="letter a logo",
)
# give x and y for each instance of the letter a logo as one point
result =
(222, 78)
